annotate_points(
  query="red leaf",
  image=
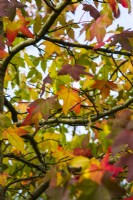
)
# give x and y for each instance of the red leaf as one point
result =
(74, 71)
(128, 198)
(113, 5)
(108, 167)
(124, 3)
(123, 40)
(14, 27)
(99, 45)
(11, 35)
(127, 160)
(40, 108)
(82, 152)
(93, 11)
(3, 54)
(24, 28)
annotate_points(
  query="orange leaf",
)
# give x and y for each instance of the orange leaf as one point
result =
(14, 27)
(104, 86)
(97, 169)
(98, 28)
(3, 54)
(71, 99)
(3, 178)
(86, 152)
(40, 108)
(113, 5)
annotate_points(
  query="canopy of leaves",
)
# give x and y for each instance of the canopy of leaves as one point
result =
(66, 100)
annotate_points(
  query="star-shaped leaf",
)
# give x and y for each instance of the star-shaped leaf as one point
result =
(74, 71)
(8, 8)
(93, 11)
(125, 39)
(71, 99)
(40, 108)
(104, 86)
(14, 27)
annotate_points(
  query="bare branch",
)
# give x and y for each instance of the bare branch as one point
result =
(39, 191)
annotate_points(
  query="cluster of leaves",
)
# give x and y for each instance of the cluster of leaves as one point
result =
(62, 136)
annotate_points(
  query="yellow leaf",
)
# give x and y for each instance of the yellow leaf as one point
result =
(71, 99)
(51, 48)
(79, 162)
(12, 135)
(50, 142)
(3, 179)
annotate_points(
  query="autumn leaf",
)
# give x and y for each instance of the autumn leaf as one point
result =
(8, 8)
(128, 198)
(74, 71)
(71, 99)
(106, 166)
(93, 11)
(97, 170)
(3, 54)
(104, 87)
(124, 39)
(12, 133)
(114, 6)
(14, 27)
(126, 160)
(3, 179)
(98, 28)
(124, 3)
(86, 152)
(40, 108)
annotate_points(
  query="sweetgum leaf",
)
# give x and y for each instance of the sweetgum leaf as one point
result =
(124, 40)
(93, 11)
(74, 71)
(114, 6)
(71, 99)
(40, 108)
(127, 160)
(104, 87)
(14, 27)
(124, 137)
(8, 8)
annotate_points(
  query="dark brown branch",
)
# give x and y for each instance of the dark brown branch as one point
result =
(39, 191)
(23, 179)
(29, 164)
(84, 46)
(34, 145)
(39, 36)
(10, 107)
(84, 121)
(49, 5)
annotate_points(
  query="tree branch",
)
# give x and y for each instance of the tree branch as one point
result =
(39, 191)
(11, 155)
(87, 47)
(34, 145)
(84, 121)
(37, 38)
(23, 179)
(10, 107)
